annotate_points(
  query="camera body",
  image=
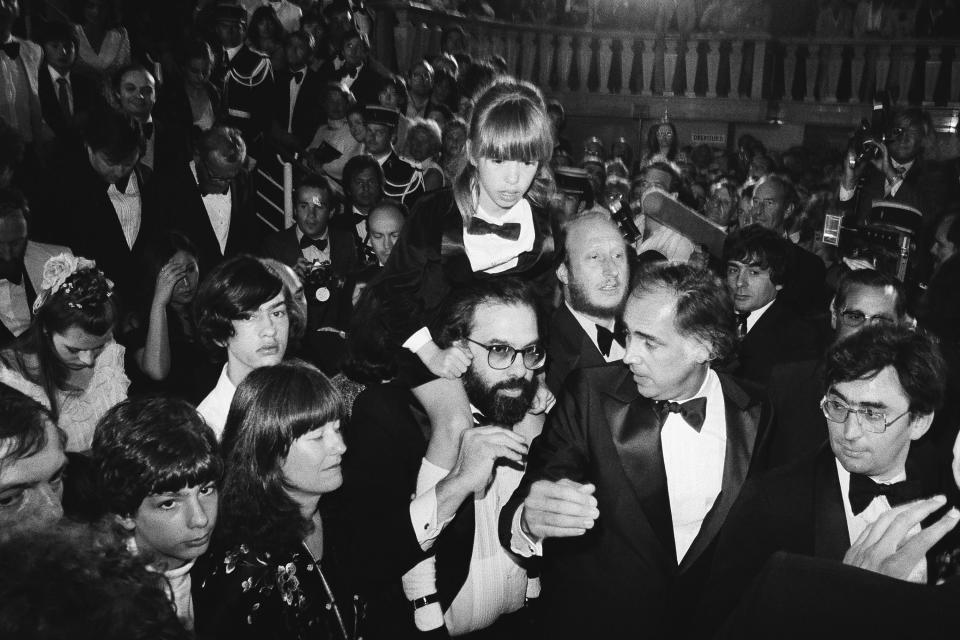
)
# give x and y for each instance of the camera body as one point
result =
(887, 238)
(866, 140)
(320, 281)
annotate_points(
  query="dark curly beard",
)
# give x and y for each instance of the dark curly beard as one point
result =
(500, 408)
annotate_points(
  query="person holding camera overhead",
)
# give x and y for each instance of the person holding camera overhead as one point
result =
(892, 166)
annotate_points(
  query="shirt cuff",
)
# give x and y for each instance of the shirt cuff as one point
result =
(415, 342)
(423, 508)
(429, 617)
(520, 542)
(846, 194)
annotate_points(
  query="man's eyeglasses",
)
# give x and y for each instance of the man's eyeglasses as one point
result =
(853, 319)
(502, 356)
(868, 419)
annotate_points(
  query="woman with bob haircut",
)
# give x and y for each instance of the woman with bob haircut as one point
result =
(67, 359)
(273, 570)
(492, 223)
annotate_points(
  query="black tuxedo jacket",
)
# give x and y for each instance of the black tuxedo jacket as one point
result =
(65, 126)
(623, 576)
(799, 509)
(366, 86)
(386, 440)
(806, 286)
(180, 197)
(78, 213)
(778, 336)
(795, 390)
(568, 348)
(171, 146)
(307, 112)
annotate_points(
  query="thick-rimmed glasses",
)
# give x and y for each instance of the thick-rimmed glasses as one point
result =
(868, 419)
(502, 356)
(853, 319)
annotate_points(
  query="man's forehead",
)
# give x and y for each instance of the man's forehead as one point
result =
(869, 299)
(32, 468)
(883, 388)
(506, 323)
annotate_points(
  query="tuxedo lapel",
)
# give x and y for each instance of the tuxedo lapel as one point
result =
(831, 539)
(635, 429)
(742, 417)
(454, 549)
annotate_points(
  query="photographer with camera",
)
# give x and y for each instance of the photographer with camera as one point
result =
(885, 162)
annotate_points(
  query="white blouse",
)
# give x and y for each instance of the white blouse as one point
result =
(114, 51)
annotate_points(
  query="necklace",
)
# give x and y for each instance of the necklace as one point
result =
(329, 592)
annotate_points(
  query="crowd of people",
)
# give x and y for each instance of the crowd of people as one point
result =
(486, 385)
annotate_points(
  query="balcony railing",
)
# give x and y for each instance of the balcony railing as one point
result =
(745, 75)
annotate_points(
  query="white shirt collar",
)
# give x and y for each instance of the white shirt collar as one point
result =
(56, 75)
(383, 158)
(232, 51)
(589, 327)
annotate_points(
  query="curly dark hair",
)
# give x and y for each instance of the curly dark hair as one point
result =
(272, 407)
(83, 301)
(762, 247)
(79, 582)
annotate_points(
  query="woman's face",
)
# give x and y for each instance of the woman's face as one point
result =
(419, 145)
(186, 287)
(93, 12)
(358, 127)
(454, 140)
(198, 71)
(312, 466)
(389, 97)
(78, 349)
(664, 137)
(503, 183)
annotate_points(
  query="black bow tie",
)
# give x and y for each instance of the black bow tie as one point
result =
(122, 183)
(12, 273)
(693, 411)
(480, 227)
(12, 49)
(319, 243)
(606, 338)
(298, 76)
(863, 490)
(742, 323)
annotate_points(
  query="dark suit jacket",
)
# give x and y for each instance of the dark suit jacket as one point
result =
(180, 197)
(171, 146)
(78, 213)
(283, 246)
(805, 288)
(797, 508)
(795, 390)
(778, 336)
(568, 348)
(66, 127)
(307, 112)
(622, 576)
(365, 88)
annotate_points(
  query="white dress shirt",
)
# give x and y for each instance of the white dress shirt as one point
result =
(55, 78)
(590, 327)
(294, 92)
(877, 507)
(492, 254)
(215, 406)
(128, 207)
(694, 463)
(15, 93)
(756, 314)
(337, 134)
(14, 307)
(218, 206)
(311, 253)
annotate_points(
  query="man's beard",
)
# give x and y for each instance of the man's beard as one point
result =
(503, 409)
(580, 301)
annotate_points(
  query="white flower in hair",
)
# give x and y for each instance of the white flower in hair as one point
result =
(56, 271)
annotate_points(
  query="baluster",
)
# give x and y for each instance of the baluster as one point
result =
(790, 62)
(564, 56)
(883, 68)
(403, 35)
(649, 59)
(813, 63)
(692, 56)
(736, 67)
(834, 57)
(512, 43)
(953, 92)
(756, 83)
(860, 74)
(588, 47)
(605, 53)
(713, 67)
(907, 63)
(668, 69)
(931, 70)
(528, 53)
(546, 42)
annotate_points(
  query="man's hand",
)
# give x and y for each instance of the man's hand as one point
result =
(886, 547)
(480, 448)
(559, 509)
(543, 399)
(451, 362)
(302, 267)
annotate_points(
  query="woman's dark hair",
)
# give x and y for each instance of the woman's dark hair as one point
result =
(110, 18)
(149, 445)
(78, 581)
(232, 289)
(653, 145)
(372, 340)
(265, 15)
(156, 254)
(83, 301)
(914, 356)
(475, 79)
(400, 86)
(271, 408)
(704, 308)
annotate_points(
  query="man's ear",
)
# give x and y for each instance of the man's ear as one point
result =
(563, 274)
(701, 351)
(128, 523)
(920, 424)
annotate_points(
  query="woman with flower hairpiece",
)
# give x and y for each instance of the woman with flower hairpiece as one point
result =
(67, 359)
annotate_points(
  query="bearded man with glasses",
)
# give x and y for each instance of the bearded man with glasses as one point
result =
(459, 580)
(883, 385)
